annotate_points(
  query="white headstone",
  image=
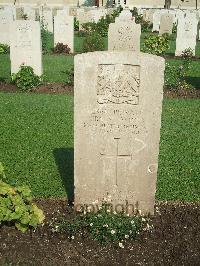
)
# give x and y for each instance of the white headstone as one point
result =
(6, 17)
(64, 31)
(117, 128)
(166, 24)
(25, 45)
(124, 16)
(186, 33)
(124, 36)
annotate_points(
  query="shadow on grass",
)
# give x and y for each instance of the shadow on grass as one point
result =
(194, 81)
(64, 158)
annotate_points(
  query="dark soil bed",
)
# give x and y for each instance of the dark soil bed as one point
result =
(175, 240)
(50, 88)
(62, 88)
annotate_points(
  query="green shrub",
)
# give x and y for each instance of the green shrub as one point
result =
(46, 37)
(104, 226)
(93, 42)
(76, 24)
(69, 76)
(4, 48)
(61, 48)
(102, 26)
(155, 44)
(16, 206)
(26, 79)
(146, 26)
(89, 27)
(175, 76)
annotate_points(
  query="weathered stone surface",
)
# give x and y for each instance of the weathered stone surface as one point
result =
(166, 24)
(118, 104)
(30, 12)
(25, 45)
(124, 16)
(6, 17)
(19, 13)
(64, 30)
(124, 36)
(186, 33)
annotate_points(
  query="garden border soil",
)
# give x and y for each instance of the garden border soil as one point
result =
(175, 240)
(62, 88)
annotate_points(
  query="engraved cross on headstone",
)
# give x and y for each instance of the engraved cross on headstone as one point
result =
(116, 156)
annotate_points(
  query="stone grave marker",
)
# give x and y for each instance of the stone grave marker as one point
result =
(6, 17)
(118, 104)
(124, 16)
(64, 31)
(124, 36)
(166, 24)
(30, 12)
(25, 45)
(186, 33)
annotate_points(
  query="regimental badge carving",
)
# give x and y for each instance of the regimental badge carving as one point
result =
(118, 84)
(125, 36)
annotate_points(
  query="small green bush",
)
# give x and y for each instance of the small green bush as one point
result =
(104, 226)
(61, 48)
(155, 44)
(4, 48)
(46, 37)
(16, 206)
(175, 76)
(76, 24)
(26, 79)
(69, 76)
(93, 42)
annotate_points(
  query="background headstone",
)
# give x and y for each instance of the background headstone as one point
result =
(117, 128)
(6, 17)
(64, 30)
(124, 36)
(186, 33)
(25, 45)
(166, 24)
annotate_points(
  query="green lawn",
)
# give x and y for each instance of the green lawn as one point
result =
(36, 147)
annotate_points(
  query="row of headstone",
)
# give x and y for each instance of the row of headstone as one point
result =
(187, 27)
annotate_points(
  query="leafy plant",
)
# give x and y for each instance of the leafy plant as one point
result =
(61, 48)
(76, 24)
(104, 226)
(93, 42)
(155, 44)
(46, 36)
(89, 27)
(26, 79)
(187, 54)
(4, 48)
(102, 26)
(16, 206)
(69, 76)
(175, 76)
